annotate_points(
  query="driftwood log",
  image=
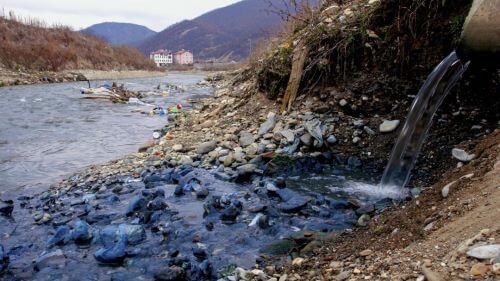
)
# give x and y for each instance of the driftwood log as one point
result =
(299, 58)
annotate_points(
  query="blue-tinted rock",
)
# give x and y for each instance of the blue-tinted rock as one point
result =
(293, 205)
(179, 190)
(113, 255)
(134, 233)
(55, 259)
(112, 199)
(4, 259)
(81, 233)
(230, 213)
(199, 253)
(61, 237)
(157, 204)
(6, 208)
(286, 194)
(136, 204)
(152, 178)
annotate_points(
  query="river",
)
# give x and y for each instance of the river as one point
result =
(48, 131)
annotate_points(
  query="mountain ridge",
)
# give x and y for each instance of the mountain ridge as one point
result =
(119, 33)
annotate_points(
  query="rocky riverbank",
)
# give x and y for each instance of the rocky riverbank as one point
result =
(230, 183)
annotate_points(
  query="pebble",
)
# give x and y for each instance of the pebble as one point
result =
(388, 126)
(206, 147)
(177, 147)
(268, 125)
(81, 233)
(462, 155)
(55, 259)
(484, 252)
(366, 253)
(446, 189)
(331, 139)
(479, 269)
(363, 220)
(298, 261)
(113, 255)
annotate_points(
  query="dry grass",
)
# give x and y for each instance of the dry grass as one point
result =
(29, 44)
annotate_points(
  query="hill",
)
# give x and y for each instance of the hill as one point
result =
(119, 33)
(227, 32)
(31, 45)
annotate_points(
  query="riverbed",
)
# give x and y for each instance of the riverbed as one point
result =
(48, 131)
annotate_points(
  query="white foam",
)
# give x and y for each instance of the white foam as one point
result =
(373, 191)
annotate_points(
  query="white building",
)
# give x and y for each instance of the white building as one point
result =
(162, 57)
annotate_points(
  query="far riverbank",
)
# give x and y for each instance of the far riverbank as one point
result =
(10, 78)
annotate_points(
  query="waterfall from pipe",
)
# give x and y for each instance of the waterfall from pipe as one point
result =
(419, 120)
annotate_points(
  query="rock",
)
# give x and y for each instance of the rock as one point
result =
(55, 259)
(496, 268)
(246, 169)
(331, 139)
(134, 233)
(136, 204)
(157, 204)
(314, 129)
(268, 125)
(61, 237)
(179, 190)
(388, 126)
(298, 261)
(201, 191)
(172, 273)
(306, 139)
(484, 252)
(293, 205)
(479, 269)
(363, 220)
(260, 220)
(446, 189)
(288, 134)
(113, 255)
(206, 147)
(230, 213)
(461, 155)
(185, 160)
(228, 160)
(246, 139)
(4, 259)
(6, 208)
(342, 102)
(366, 253)
(81, 233)
(177, 147)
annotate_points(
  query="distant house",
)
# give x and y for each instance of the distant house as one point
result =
(183, 57)
(162, 57)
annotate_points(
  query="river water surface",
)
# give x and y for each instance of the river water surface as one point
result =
(48, 131)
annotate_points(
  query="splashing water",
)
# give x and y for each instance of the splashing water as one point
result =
(419, 120)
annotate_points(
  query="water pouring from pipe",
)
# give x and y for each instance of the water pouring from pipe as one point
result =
(419, 120)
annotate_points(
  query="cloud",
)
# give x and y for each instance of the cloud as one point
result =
(155, 14)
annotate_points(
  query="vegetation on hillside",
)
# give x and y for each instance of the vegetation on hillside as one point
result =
(32, 46)
(346, 39)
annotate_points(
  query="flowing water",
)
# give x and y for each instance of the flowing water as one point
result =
(419, 120)
(48, 131)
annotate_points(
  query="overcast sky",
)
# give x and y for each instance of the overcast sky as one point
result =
(155, 14)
